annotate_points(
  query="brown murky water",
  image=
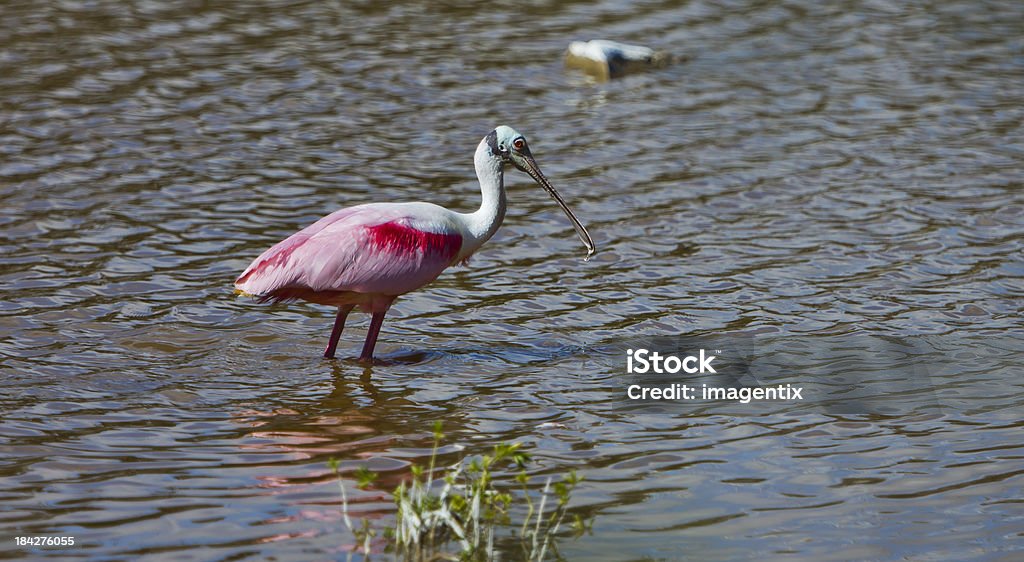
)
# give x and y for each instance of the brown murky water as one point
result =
(815, 177)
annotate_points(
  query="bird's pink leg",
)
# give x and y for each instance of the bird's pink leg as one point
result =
(371, 334)
(339, 324)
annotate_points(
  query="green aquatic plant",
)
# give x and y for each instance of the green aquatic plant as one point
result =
(462, 513)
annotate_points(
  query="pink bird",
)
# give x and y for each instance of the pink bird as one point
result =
(369, 255)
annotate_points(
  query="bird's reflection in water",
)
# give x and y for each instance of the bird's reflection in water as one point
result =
(360, 424)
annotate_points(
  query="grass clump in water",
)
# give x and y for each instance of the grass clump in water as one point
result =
(460, 515)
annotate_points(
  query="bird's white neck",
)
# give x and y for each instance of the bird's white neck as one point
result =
(483, 223)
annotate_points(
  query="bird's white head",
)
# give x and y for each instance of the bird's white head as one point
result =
(509, 147)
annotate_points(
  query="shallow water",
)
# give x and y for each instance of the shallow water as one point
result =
(833, 189)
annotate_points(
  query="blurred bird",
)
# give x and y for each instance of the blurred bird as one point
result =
(368, 255)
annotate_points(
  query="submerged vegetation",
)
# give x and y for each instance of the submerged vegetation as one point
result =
(463, 512)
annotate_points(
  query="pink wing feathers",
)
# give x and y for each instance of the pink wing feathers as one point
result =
(354, 253)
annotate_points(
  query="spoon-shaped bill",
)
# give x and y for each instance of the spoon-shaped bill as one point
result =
(527, 164)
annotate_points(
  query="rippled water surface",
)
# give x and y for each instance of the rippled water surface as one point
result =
(808, 178)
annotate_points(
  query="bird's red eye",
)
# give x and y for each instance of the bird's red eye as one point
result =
(519, 144)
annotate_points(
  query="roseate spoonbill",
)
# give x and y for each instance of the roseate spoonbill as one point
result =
(368, 255)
